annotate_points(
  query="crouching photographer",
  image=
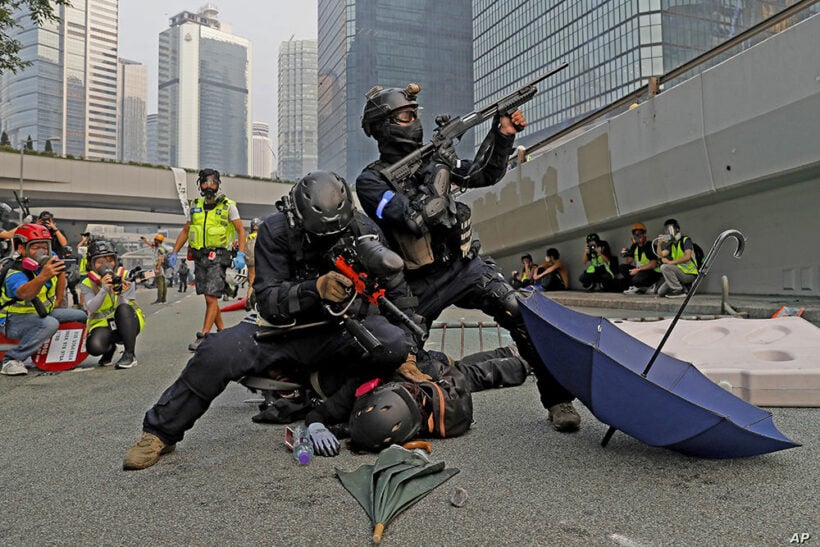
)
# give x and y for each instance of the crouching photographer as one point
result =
(109, 294)
(31, 297)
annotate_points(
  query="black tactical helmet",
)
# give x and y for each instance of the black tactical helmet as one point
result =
(98, 248)
(387, 415)
(382, 102)
(323, 203)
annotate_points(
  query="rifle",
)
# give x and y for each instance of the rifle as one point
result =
(365, 255)
(450, 130)
(23, 203)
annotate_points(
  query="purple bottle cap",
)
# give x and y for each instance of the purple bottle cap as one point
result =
(304, 458)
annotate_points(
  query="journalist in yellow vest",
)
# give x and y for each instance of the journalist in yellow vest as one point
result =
(31, 297)
(212, 227)
(640, 269)
(679, 268)
(113, 314)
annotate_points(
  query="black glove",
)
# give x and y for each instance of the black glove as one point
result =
(435, 210)
(446, 154)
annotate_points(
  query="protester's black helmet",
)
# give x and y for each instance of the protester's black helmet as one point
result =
(323, 203)
(387, 415)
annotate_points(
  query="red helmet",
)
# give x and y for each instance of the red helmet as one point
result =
(32, 232)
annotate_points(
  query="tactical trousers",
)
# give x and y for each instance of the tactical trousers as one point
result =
(232, 353)
(477, 284)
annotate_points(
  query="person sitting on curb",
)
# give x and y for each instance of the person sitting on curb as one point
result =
(524, 278)
(110, 299)
(31, 297)
(552, 275)
(640, 269)
(598, 264)
(679, 268)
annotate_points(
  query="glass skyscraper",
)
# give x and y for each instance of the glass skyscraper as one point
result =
(133, 96)
(612, 47)
(298, 140)
(70, 90)
(204, 100)
(262, 151)
(363, 43)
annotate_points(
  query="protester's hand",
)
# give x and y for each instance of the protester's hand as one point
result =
(333, 286)
(171, 260)
(510, 125)
(239, 261)
(324, 442)
(53, 267)
(411, 372)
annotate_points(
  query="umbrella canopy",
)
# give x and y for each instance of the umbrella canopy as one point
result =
(397, 480)
(674, 405)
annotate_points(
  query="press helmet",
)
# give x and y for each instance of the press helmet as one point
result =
(639, 226)
(100, 247)
(381, 104)
(323, 203)
(30, 233)
(387, 415)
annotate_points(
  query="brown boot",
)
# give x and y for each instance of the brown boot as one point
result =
(145, 452)
(564, 417)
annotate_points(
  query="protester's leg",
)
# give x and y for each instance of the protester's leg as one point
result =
(100, 341)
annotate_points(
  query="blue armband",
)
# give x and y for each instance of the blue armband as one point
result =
(386, 197)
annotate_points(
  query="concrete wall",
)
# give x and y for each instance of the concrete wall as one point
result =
(735, 147)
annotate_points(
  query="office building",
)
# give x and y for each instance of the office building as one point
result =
(262, 151)
(612, 48)
(133, 78)
(151, 139)
(70, 89)
(298, 85)
(363, 43)
(204, 99)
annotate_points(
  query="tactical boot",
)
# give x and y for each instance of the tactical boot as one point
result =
(564, 417)
(145, 452)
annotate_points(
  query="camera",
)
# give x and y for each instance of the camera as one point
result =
(592, 249)
(116, 281)
(666, 238)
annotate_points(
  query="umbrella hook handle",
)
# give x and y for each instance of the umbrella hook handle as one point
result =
(702, 271)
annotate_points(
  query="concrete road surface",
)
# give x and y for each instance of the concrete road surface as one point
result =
(232, 482)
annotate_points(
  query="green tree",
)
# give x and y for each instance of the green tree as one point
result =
(4, 139)
(40, 11)
(48, 147)
(29, 143)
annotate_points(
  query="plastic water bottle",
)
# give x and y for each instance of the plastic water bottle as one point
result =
(302, 446)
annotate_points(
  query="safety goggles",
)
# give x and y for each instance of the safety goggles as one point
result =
(404, 116)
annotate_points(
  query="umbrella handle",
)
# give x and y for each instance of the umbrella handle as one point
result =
(377, 533)
(702, 271)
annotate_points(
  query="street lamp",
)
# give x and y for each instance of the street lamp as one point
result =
(22, 155)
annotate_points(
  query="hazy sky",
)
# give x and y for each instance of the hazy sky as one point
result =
(265, 23)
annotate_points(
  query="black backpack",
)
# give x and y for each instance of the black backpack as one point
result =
(698, 251)
(447, 406)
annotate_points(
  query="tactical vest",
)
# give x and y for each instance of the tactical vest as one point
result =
(213, 228)
(105, 312)
(688, 267)
(11, 304)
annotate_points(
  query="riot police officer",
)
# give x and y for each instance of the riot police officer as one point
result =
(296, 287)
(432, 232)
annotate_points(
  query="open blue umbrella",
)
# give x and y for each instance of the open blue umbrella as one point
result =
(673, 405)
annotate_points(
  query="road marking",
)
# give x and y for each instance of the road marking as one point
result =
(625, 541)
